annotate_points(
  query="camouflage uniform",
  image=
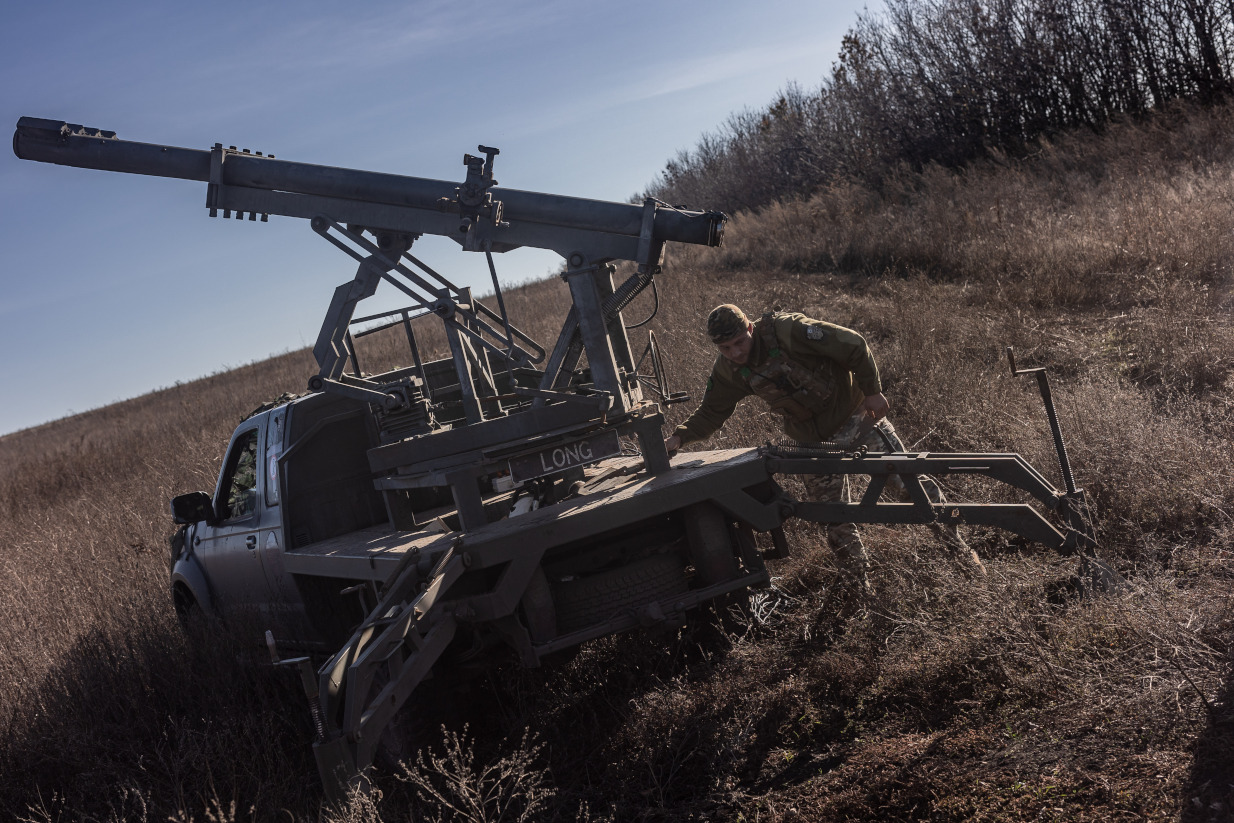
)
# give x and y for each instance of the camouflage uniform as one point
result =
(815, 375)
(241, 495)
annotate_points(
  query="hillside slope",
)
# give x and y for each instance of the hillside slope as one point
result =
(1110, 259)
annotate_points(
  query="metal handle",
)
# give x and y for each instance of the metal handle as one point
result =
(251, 541)
(1060, 447)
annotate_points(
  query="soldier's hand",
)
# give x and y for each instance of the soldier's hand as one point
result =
(876, 406)
(672, 443)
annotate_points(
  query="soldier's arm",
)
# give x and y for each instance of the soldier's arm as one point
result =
(719, 401)
(876, 405)
(844, 346)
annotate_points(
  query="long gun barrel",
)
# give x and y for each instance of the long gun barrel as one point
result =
(501, 219)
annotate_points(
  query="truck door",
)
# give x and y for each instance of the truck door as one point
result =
(283, 606)
(230, 551)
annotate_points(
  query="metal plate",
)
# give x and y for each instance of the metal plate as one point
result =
(565, 456)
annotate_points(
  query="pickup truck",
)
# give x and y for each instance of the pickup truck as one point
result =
(298, 537)
(314, 536)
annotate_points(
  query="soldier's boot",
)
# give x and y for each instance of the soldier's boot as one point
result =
(853, 589)
(964, 554)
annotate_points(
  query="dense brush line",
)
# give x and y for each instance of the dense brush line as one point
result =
(948, 81)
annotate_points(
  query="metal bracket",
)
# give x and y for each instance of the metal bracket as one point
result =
(480, 213)
(218, 154)
(602, 400)
(650, 253)
(308, 679)
(657, 381)
(386, 400)
(1043, 384)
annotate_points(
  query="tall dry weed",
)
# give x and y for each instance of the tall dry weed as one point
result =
(1106, 221)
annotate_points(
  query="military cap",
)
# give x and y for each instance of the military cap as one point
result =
(726, 321)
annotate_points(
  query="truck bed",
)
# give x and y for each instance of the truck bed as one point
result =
(616, 491)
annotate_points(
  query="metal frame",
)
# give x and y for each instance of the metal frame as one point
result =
(399, 633)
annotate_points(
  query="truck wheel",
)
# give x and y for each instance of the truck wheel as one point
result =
(711, 545)
(193, 620)
(602, 596)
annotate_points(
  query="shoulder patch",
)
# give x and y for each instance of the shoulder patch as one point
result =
(710, 383)
(816, 332)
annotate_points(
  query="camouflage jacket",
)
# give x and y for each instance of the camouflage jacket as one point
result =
(838, 358)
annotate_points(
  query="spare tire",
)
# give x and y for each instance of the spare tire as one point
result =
(602, 596)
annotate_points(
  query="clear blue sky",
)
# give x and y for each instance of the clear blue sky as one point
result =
(113, 285)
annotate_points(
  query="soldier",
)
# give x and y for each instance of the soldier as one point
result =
(822, 379)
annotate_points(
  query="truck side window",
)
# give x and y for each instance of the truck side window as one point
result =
(241, 481)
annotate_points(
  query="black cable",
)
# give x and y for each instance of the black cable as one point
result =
(655, 293)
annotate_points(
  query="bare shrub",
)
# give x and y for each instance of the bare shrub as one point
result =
(947, 82)
(453, 786)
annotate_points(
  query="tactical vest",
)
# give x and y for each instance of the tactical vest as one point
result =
(790, 389)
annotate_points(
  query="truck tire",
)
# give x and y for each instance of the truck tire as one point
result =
(711, 545)
(193, 619)
(600, 597)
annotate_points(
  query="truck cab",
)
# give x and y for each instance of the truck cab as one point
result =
(295, 473)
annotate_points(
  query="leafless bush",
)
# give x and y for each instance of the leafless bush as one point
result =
(454, 786)
(949, 81)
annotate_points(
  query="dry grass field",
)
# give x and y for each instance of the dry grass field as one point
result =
(1109, 258)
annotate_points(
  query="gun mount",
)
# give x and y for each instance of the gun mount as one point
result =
(488, 499)
(344, 204)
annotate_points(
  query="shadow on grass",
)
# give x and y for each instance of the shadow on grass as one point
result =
(1209, 794)
(136, 711)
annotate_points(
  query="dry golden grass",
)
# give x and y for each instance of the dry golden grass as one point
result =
(1109, 259)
